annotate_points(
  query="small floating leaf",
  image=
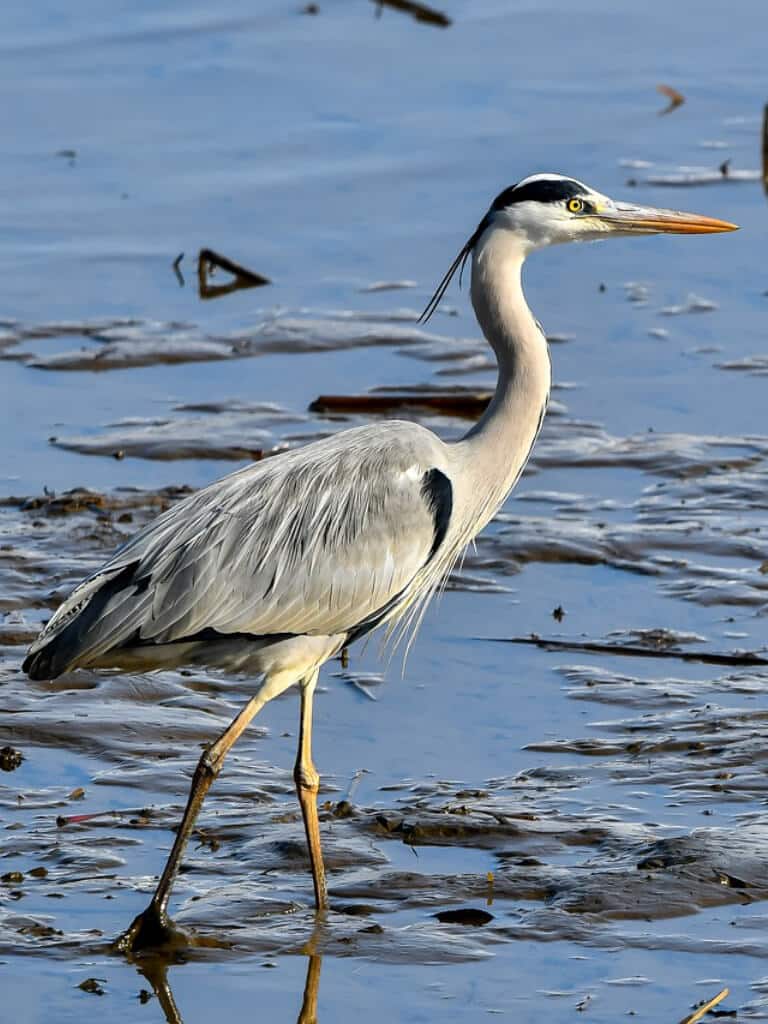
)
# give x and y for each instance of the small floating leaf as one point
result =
(676, 99)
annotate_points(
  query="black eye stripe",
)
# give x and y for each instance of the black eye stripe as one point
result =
(543, 190)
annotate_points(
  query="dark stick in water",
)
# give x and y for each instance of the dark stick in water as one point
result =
(208, 261)
(419, 11)
(746, 658)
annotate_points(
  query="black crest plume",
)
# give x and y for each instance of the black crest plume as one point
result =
(458, 264)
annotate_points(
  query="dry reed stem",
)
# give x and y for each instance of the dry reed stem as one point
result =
(698, 1014)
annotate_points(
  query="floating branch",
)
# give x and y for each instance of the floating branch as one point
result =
(209, 261)
(676, 99)
(417, 10)
(467, 404)
(746, 658)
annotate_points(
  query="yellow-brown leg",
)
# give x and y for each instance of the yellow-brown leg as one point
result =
(153, 926)
(307, 785)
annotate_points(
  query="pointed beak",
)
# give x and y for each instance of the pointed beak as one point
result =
(628, 219)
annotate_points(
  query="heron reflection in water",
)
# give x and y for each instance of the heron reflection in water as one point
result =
(281, 565)
(155, 970)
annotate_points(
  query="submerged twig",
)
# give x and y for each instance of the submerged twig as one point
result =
(208, 261)
(705, 1008)
(747, 658)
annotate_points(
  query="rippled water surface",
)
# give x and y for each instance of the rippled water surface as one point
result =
(585, 815)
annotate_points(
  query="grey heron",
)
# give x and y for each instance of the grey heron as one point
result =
(279, 566)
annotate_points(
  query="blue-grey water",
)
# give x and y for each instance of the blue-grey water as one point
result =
(331, 151)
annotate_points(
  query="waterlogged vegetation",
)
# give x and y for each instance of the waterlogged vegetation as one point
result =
(573, 822)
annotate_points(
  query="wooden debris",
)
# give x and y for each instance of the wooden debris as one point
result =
(765, 148)
(745, 658)
(209, 261)
(467, 404)
(705, 1008)
(419, 11)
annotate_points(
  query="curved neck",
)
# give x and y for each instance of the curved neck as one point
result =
(496, 449)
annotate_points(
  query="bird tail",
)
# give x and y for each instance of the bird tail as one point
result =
(80, 630)
(46, 663)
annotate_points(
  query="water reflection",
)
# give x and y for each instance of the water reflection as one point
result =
(156, 969)
(308, 1012)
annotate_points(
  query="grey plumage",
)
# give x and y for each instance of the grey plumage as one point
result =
(326, 540)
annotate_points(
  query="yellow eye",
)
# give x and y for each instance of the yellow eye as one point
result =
(575, 205)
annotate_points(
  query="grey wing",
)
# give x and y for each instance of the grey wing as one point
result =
(324, 540)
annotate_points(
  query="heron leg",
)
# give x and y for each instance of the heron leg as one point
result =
(153, 927)
(307, 785)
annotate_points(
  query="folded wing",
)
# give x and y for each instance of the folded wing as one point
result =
(324, 540)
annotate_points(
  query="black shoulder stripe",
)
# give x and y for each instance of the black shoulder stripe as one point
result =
(438, 492)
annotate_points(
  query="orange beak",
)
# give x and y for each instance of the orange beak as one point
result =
(624, 218)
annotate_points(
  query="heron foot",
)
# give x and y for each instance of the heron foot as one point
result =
(151, 930)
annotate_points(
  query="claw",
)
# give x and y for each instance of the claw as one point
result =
(151, 930)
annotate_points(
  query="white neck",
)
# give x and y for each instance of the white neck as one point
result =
(496, 449)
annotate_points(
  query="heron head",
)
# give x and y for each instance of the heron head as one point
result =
(546, 209)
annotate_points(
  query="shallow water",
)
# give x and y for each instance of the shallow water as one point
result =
(619, 802)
